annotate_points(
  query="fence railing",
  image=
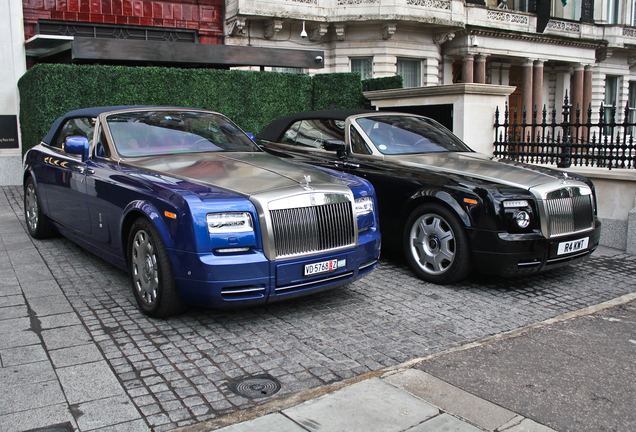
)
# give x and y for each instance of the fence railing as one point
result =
(604, 144)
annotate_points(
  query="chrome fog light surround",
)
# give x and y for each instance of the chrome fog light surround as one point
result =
(523, 219)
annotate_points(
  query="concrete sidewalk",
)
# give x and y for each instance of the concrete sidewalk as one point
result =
(406, 398)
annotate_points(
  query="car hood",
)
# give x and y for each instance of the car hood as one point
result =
(482, 167)
(245, 174)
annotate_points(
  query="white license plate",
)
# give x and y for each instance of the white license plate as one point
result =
(573, 246)
(321, 267)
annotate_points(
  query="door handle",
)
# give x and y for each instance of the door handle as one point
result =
(84, 170)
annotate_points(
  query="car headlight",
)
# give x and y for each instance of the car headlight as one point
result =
(523, 219)
(229, 222)
(364, 205)
(519, 215)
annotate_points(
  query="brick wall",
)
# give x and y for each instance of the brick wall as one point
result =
(205, 16)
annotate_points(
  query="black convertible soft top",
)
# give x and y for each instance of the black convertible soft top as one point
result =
(275, 129)
(82, 112)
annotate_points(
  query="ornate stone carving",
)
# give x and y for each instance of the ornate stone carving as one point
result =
(388, 31)
(564, 26)
(631, 61)
(236, 27)
(434, 4)
(603, 54)
(629, 32)
(349, 2)
(316, 33)
(507, 17)
(440, 38)
(272, 27)
(340, 31)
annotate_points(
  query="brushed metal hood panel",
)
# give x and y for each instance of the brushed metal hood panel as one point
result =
(480, 166)
(245, 174)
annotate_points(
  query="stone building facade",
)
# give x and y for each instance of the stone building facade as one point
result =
(584, 48)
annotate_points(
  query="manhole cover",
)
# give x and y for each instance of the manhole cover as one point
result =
(255, 387)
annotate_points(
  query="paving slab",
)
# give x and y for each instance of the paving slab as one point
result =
(444, 423)
(363, 407)
(271, 422)
(449, 398)
(102, 382)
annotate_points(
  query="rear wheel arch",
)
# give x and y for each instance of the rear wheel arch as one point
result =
(36, 221)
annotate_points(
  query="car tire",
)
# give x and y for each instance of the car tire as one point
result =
(151, 274)
(37, 223)
(436, 245)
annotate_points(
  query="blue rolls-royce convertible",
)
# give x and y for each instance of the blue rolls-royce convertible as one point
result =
(195, 211)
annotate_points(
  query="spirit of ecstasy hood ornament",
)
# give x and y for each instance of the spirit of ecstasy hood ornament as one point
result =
(306, 186)
(565, 177)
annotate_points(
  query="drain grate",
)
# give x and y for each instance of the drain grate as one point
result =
(255, 387)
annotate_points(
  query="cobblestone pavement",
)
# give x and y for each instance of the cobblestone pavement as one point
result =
(180, 371)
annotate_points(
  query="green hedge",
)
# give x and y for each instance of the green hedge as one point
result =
(251, 99)
(338, 91)
(384, 83)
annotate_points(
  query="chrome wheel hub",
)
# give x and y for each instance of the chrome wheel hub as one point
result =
(144, 268)
(31, 207)
(433, 244)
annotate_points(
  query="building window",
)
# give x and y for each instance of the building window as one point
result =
(410, 71)
(631, 106)
(633, 20)
(611, 100)
(364, 66)
(612, 11)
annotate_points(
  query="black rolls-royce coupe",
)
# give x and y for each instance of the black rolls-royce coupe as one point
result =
(452, 210)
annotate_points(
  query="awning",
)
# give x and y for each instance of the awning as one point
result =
(123, 51)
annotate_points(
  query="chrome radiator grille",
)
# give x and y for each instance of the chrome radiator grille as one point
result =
(312, 229)
(569, 213)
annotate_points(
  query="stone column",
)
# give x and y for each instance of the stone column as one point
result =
(384, 65)
(468, 61)
(431, 72)
(587, 90)
(447, 72)
(526, 89)
(537, 87)
(480, 69)
(577, 91)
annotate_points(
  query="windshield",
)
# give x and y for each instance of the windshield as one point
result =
(149, 133)
(396, 134)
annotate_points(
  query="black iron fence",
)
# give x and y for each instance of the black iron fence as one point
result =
(604, 144)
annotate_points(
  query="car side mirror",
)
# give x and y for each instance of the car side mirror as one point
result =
(77, 145)
(334, 145)
(252, 136)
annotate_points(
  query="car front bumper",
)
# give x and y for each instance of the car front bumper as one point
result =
(510, 254)
(210, 280)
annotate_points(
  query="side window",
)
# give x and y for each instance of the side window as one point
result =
(290, 135)
(357, 142)
(81, 126)
(314, 133)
